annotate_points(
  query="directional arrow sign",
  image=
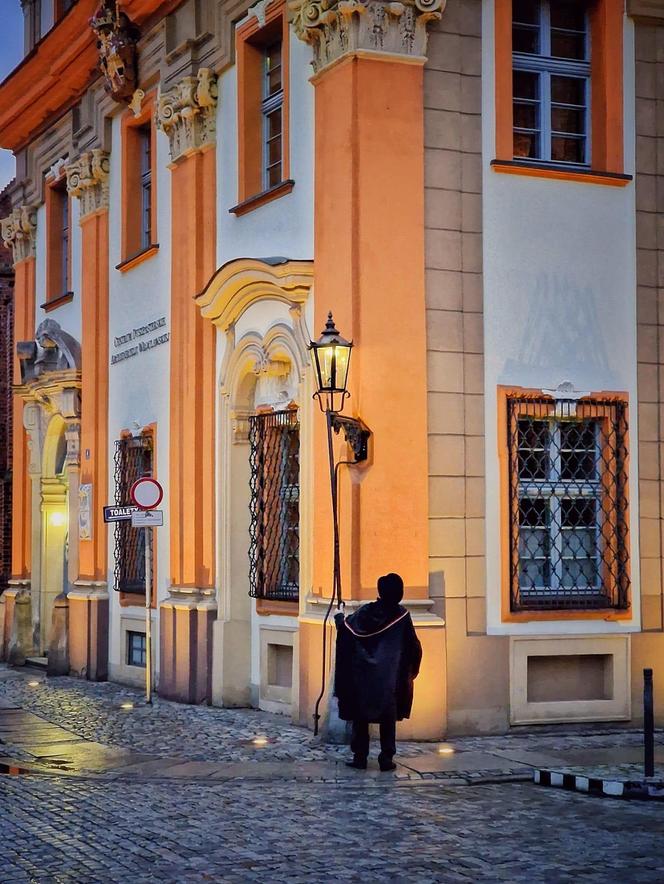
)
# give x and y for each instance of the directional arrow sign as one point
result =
(119, 513)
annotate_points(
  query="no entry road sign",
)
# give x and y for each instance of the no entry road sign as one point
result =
(146, 493)
(119, 513)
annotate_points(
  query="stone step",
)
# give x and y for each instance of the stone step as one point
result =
(37, 662)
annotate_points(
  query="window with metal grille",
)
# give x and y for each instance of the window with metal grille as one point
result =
(272, 110)
(133, 459)
(274, 546)
(568, 502)
(551, 77)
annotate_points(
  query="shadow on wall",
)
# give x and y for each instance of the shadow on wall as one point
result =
(562, 326)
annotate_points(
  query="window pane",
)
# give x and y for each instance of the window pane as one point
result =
(534, 441)
(274, 176)
(274, 124)
(525, 84)
(568, 90)
(273, 70)
(566, 45)
(525, 11)
(534, 543)
(569, 15)
(567, 119)
(568, 150)
(274, 151)
(578, 451)
(525, 39)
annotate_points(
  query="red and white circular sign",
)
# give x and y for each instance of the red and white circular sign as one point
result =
(146, 493)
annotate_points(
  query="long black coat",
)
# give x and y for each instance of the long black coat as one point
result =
(378, 658)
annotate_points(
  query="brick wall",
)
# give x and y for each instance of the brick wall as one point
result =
(6, 365)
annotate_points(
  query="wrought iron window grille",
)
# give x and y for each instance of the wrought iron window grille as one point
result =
(568, 504)
(133, 460)
(274, 532)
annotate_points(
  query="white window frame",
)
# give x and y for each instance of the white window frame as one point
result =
(270, 104)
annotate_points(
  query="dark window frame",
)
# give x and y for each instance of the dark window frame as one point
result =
(133, 459)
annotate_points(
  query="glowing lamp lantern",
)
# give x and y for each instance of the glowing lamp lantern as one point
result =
(332, 360)
(57, 519)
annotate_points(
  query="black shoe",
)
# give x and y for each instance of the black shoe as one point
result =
(385, 766)
(357, 764)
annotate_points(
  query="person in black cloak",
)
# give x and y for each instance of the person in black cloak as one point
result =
(378, 658)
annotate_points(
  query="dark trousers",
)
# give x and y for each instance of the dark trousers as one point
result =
(359, 743)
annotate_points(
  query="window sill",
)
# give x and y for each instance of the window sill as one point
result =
(138, 258)
(260, 199)
(273, 606)
(540, 170)
(608, 614)
(134, 600)
(53, 303)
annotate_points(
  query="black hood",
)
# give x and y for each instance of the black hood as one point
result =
(374, 617)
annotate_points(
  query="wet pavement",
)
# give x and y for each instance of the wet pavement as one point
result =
(111, 790)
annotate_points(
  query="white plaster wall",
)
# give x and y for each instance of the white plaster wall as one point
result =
(284, 226)
(559, 304)
(139, 387)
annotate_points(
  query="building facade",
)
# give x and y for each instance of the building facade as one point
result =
(472, 189)
(6, 397)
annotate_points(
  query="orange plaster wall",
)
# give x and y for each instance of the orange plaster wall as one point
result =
(370, 272)
(94, 393)
(24, 330)
(192, 426)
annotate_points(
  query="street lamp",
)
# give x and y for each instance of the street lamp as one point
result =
(331, 354)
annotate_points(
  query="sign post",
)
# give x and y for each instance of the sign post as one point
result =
(147, 494)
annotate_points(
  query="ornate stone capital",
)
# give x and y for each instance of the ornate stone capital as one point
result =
(187, 113)
(19, 231)
(87, 179)
(343, 27)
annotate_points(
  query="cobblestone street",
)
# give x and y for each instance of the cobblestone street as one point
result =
(272, 820)
(80, 831)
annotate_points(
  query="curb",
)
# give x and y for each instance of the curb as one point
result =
(628, 789)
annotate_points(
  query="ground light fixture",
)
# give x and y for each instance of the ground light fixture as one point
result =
(33, 684)
(331, 358)
(126, 705)
(446, 749)
(260, 741)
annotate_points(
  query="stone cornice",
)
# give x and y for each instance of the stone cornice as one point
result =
(651, 11)
(336, 28)
(87, 179)
(187, 113)
(19, 230)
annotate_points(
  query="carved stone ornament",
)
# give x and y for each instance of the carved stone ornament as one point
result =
(187, 113)
(87, 179)
(566, 397)
(342, 27)
(53, 350)
(19, 231)
(116, 45)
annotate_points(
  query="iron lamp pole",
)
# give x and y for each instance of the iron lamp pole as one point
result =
(331, 356)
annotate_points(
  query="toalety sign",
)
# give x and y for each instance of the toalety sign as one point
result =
(145, 337)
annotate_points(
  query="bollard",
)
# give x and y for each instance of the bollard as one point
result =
(648, 725)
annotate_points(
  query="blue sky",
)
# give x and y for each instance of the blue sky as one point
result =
(11, 52)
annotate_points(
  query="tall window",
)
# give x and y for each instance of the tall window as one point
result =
(568, 504)
(146, 185)
(59, 241)
(274, 547)
(133, 460)
(272, 110)
(551, 81)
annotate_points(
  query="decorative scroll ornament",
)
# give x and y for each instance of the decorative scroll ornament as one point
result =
(87, 179)
(342, 27)
(116, 45)
(19, 231)
(566, 398)
(187, 113)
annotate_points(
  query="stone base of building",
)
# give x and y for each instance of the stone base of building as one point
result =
(185, 639)
(16, 623)
(88, 631)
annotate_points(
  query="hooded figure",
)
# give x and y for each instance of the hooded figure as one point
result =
(378, 658)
